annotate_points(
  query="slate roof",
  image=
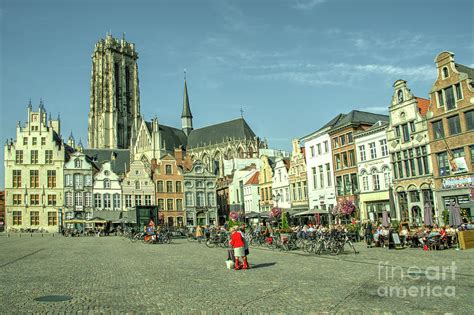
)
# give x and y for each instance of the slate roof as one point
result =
(173, 137)
(331, 123)
(237, 128)
(120, 162)
(358, 117)
(468, 70)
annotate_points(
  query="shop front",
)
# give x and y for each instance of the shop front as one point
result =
(411, 203)
(460, 190)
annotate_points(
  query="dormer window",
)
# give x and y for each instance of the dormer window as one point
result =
(77, 163)
(400, 96)
(445, 72)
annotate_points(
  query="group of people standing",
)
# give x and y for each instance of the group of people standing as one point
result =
(240, 247)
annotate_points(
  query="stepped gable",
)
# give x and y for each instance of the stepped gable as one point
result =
(119, 158)
(218, 133)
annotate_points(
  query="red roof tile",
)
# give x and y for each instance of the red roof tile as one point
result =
(423, 105)
(253, 180)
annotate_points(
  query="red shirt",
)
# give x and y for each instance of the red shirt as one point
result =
(236, 240)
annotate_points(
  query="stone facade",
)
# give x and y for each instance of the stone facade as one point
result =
(236, 188)
(78, 190)
(298, 178)
(168, 178)
(114, 115)
(374, 171)
(200, 196)
(34, 174)
(409, 149)
(451, 132)
(107, 189)
(138, 188)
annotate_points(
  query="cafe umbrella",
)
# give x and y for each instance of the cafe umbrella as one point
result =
(428, 215)
(454, 215)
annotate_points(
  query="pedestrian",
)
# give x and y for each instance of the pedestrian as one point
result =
(246, 239)
(237, 242)
(368, 233)
(199, 233)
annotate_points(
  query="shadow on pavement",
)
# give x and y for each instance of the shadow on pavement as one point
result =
(262, 265)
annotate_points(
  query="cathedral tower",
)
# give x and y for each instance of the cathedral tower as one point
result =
(114, 115)
(186, 116)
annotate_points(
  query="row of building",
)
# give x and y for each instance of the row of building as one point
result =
(420, 154)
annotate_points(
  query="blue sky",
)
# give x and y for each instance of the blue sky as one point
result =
(291, 65)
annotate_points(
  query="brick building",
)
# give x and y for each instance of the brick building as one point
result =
(451, 132)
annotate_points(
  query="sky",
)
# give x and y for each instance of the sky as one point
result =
(290, 65)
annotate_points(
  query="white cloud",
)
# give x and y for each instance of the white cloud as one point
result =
(306, 4)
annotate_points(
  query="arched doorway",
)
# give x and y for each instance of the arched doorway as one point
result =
(416, 215)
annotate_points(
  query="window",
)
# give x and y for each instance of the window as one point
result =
(169, 186)
(88, 180)
(34, 218)
(449, 94)
(116, 201)
(169, 204)
(375, 180)
(328, 174)
(34, 178)
(386, 176)
(48, 157)
(88, 199)
(17, 218)
(440, 98)
(138, 200)
(179, 204)
(351, 158)
(159, 186)
(178, 187)
(25, 141)
(443, 163)
(438, 130)
(445, 72)
(34, 200)
(147, 200)
(350, 138)
(406, 133)
(51, 200)
(34, 156)
(472, 155)
(305, 190)
(78, 199)
(137, 184)
(168, 170)
(397, 131)
(321, 178)
(373, 150)
(383, 146)
(414, 196)
(128, 201)
(326, 147)
(77, 163)
(161, 204)
(362, 153)
(16, 199)
(43, 141)
(52, 218)
(338, 162)
(68, 198)
(458, 91)
(106, 183)
(107, 203)
(200, 199)
(365, 181)
(469, 119)
(339, 187)
(344, 160)
(313, 169)
(34, 142)
(51, 178)
(319, 148)
(311, 149)
(19, 156)
(347, 184)
(454, 125)
(335, 142)
(78, 181)
(412, 126)
(97, 201)
(343, 140)
(16, 179)
(189, 199)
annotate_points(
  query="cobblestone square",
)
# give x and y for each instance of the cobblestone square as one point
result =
(113, 275)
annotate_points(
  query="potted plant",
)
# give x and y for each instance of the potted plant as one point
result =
(343, 209)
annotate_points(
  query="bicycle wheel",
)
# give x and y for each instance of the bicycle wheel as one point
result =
(210, 244)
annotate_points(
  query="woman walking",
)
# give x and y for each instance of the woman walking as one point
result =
(237, 242)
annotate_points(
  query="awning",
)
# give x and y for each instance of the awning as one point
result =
(97, 220)
(312, 212)
(74, 221)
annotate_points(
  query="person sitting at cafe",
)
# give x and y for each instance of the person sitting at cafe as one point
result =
(404, 235)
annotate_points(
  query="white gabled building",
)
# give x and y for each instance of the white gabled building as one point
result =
(107, 189)
(320, 169)
(252, 192)
(236, 188)
(281, 184)
(374, 171)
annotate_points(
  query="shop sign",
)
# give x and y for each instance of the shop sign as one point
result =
(458, 182)
(458, 165)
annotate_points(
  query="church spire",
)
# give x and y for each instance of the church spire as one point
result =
(186, 116)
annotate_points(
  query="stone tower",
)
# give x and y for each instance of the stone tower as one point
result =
(114, 115)
(186, 116)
